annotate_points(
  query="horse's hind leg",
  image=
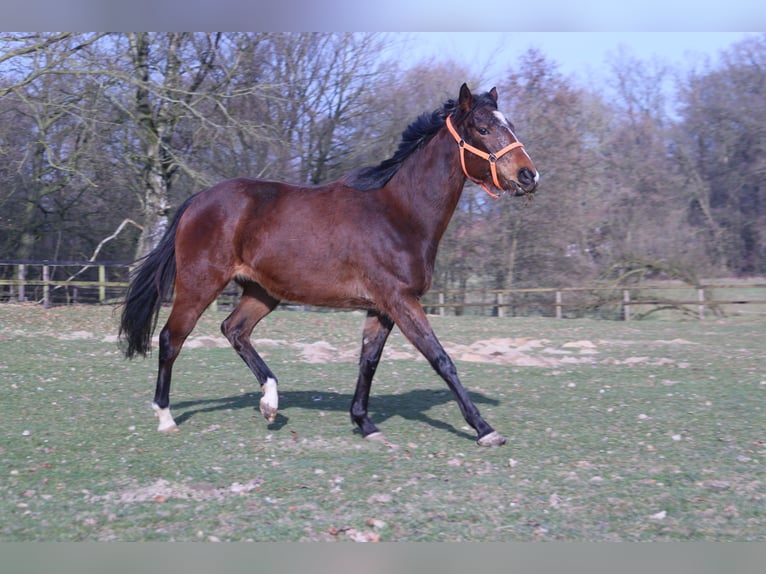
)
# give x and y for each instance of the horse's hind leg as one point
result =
(187, 308)
(253, 306)
(180, 323)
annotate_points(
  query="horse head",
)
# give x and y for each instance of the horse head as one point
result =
(497, 158)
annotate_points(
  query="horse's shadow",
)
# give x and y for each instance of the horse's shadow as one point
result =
(411, 405)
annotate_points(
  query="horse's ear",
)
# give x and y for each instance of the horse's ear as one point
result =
(466, 100)
(493, 93)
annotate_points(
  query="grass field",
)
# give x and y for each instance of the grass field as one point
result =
(639, 431)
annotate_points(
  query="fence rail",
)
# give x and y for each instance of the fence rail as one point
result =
(63, 282)
(608, 301)
(69, 282)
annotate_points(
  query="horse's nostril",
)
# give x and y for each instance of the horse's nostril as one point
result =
(526, 177)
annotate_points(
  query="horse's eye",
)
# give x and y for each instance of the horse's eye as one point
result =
(483, 131)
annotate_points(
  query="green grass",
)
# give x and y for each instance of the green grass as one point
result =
(657, 435)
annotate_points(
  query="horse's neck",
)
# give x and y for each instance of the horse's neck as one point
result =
(429, 195)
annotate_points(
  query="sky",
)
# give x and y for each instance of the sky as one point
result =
(391, 15)
(582, 56)
(578, 35)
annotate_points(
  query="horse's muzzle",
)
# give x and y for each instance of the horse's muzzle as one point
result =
(527, 181)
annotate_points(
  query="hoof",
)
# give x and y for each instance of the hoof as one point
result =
(492, 439)
(268, 412)
(376, 437)
(167, 424)
(270, 400)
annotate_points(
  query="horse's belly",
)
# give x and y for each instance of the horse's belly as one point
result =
(325, 284)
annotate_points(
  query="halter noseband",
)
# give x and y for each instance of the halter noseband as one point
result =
(490, 157)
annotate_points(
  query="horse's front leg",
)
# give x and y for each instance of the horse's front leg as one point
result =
(412, 321)
(374, 335)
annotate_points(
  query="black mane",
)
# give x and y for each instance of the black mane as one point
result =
(416, 136)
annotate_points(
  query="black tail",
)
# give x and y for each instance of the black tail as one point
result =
(151, 283)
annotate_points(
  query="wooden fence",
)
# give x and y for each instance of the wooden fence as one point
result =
(606, 301)
(63, 282)
(71, 282)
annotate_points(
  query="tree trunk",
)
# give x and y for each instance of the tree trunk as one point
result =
(155, 217)
(152, 125)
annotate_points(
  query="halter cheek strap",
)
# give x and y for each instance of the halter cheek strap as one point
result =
(490, 157)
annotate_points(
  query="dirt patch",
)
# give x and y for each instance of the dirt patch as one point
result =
(204, 342)
(518, 351)
(320, 352)
(76, 336)
(163, 490)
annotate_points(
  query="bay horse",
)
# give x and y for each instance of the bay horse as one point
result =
(366, 241)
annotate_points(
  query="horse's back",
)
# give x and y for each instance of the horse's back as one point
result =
(230, 204)
(264, 194)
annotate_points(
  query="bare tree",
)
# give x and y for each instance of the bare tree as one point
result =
(50, 162)
(191, 108)
(176, 78)
(560, 125)
(721, 148)
(322, 85)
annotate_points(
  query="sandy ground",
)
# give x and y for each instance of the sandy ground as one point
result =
(521, 351)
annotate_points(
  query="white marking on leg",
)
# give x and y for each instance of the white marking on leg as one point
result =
(167, 424)
(270, 400)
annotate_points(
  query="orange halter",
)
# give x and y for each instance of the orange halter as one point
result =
(490, 157)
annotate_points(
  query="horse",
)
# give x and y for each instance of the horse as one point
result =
(365, 241)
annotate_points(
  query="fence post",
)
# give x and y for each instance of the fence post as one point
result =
(500, 310)
(46, 287)
(22, 278)
(558, 305)
(701, 299)
(441, 304)
(626, 305)
(101, 287)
